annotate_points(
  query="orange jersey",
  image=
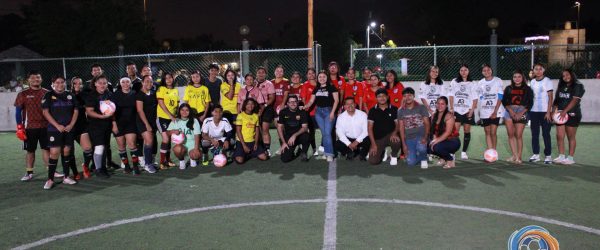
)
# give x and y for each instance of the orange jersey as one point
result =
(305, 93)
(395, 94)
(355, 90)
(369, 98)
(339, 83)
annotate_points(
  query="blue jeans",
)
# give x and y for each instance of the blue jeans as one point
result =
(417, 151)
(446, 148)
(326, 126)
(537, 121)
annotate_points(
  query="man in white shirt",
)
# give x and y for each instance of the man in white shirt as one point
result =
(541, 114)
(352, 130)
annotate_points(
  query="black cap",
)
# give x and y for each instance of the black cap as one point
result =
(381, 91)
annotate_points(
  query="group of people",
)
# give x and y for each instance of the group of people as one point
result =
(219, 115)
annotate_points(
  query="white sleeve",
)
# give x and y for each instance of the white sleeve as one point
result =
(339, 130)
(204, 126)
(364, 126)
(227, 127)
(476, 91)
(422, 91)
(451, 88)
(548, 85)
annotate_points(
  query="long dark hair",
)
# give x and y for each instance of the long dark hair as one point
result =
(163, 82)
(570, 85)
(520, 72)
(234, 76)
(190, 122)
(391, 85)
(338, 75)
(442, 125)
(459, 77)
(256, 108)
(438, 80)
(195, 72)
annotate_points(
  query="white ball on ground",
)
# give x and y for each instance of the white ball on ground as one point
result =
(490, 155)
(220, 160)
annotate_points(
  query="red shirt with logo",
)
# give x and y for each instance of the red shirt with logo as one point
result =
(280, 88)
(30, 100)
(306, 93)
(369, 98)
(395, 94)
(355, 90)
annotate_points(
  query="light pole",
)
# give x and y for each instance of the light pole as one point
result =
(578, 6)
(369, 27)
(244, 31)
(379, 56)
(493, 24)
(120, 37)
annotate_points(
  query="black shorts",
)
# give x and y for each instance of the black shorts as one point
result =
(573, 121)
(268, 115)
(79, 129)
(163, 124)
(99, 135)
(239, 150)
(58, 140)
(141, 127)
(126, 128)
(463, 119)
(488, 122)
(35, 136)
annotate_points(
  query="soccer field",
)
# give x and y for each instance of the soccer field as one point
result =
(348, 205)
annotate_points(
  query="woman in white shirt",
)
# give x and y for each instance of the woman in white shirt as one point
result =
(463, 102)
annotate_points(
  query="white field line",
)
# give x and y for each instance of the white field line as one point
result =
(330, 225)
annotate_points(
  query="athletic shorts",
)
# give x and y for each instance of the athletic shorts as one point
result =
(79, 129)
(516, 109)
(126, 128)
(58, 139)
(488, 122)
(268, 115)
(163, 124)
(35, 136)
(99, 136)
(573, 121)
(141, 127)
(239, 150)
(463, 119)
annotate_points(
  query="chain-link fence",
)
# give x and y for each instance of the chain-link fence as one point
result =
(181, 64)
(412, 63)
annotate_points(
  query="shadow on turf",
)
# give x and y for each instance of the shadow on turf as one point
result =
(490, 174)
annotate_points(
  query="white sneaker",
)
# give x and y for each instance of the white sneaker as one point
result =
(58, 175)
(193, 163)
(150, 168)
(316, 153)
(68, 180)
(385, 155)
(568, 161)
(122, 165)
(27, 177)
(48, 185)
(548, 160)
(424, 165)
(278, 152)
(182, 165)
(464, 156)
(559, 159)
(142, 161)
(429, 158)
(393, 161)
(321, 149)
(329, 158)
(534, 158)
(269, 154)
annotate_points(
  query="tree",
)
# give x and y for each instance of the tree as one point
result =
(88, 27)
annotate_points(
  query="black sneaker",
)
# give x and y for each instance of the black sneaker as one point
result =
(127, 169)
(113, 165)
(101, 173)
(350, 156)
(303, 157)
(136, 170)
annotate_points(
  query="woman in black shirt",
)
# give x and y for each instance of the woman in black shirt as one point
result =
(100, 124)
(125, 100)
(325, 96)
(517, 99)
(566, 102)
(146, 104)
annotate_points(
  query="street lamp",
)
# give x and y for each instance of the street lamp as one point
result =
(578, 6)
(369, 27)
(244, 31)
(379, 56)
(493, 25)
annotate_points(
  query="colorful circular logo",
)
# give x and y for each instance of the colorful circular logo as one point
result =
(532, 237)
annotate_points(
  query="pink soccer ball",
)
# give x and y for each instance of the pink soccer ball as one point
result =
(557, 120)
(107, 107)
(220, 160)
(490, 155)
(178, 138)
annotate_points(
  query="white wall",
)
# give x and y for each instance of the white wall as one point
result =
(590, 104)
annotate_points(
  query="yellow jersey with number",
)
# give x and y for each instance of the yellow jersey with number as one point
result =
(171, 99)
(197, 97)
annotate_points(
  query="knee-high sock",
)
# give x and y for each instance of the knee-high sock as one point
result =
(135, 154)
(98, 155)
(66, 163)
(467, 140)
(87, 157)
(164, 148)
(148, 154)
(123, 156)
(52, 168)
(73, 165)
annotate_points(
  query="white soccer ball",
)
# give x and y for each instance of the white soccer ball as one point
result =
(220, 160)
(178, 138)
(490, 155)
(107, 107)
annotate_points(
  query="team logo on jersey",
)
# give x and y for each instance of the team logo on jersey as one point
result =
(396, 100)
(69, 97)
(395, 91)
(488, 88)
(432, 90)
(53, 97)
(51, 138)
(463, 88)
(298, 117)
(354, 88)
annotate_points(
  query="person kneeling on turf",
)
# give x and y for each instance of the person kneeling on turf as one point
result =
(352, 131)
(292, 128)
(383, 129)
(190, 127)
(216, 134)
(247, 132)
(413, 120)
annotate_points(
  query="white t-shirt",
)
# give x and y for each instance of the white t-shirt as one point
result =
(216, 132)
(490, 93)
(431, 92)
(464, 94)
(540, 94)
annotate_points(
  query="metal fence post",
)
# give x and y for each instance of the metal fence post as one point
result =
(434, 55)
(245, 57)
(351, 56)
(148, 60)
(64, 68)
(532, 55)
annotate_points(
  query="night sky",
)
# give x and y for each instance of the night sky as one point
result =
(407, 22)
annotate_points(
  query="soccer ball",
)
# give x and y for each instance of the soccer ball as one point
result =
(107, 107)
(557, 120)
(177, 138)
(220, 160)
(490, 155)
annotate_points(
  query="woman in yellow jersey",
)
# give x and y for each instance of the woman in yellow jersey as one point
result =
(229, 96)
(247, 127)
(168, 101)
(196, 95)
